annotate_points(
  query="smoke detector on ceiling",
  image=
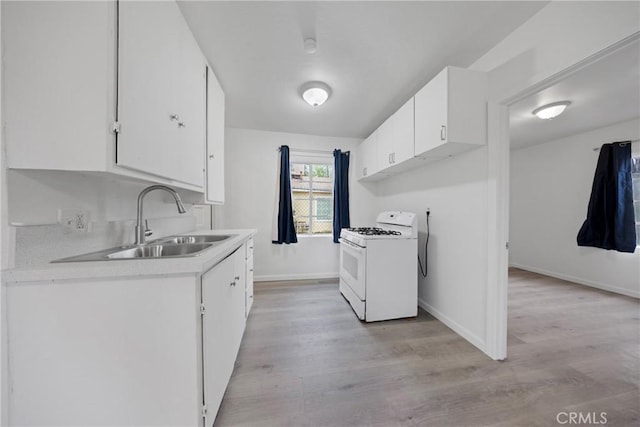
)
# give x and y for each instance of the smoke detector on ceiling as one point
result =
(310, 46)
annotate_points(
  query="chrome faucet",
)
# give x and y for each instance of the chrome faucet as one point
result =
(142, 232)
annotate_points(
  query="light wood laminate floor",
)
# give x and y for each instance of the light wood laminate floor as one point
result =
(306, 360)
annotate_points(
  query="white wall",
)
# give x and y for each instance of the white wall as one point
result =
(559, 36)
(251, 159)
(34, 198)
(3, 255)
(466, 193)
(550, 189)
(455, 190)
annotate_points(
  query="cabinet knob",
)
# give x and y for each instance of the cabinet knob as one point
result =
(237, 278)
(443, 133)
(174, 117)
(181, 125)
(211, 156)
(232, 284)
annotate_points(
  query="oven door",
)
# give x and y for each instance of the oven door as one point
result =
(353, 259)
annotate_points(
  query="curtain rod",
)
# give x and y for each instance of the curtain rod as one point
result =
(302, 150)
(633, 141)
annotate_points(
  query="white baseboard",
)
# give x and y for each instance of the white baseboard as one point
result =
(578, 280)
(455, 326)
(283, 277)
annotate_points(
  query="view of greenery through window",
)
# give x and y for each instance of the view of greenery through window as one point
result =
(312, 195)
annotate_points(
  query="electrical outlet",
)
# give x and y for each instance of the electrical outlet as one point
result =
(74, 220)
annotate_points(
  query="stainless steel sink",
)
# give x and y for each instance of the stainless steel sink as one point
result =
(195, 239)
(166, 247)
(160, 251)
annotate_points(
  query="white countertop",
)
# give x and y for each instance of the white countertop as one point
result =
(197, 264)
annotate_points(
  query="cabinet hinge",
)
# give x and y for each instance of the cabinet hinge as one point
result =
(204, 411)
(202, 309)
(115, 127)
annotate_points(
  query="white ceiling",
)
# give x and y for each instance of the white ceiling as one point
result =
(601, 94)
(374, 55)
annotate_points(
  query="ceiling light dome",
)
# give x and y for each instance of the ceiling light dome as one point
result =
(551, 111)
(315, 93)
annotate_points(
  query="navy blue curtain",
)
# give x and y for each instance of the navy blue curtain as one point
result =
(340, 193)
(286, 229)
(610, 222)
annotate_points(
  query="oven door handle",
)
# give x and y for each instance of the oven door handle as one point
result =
(351, 245)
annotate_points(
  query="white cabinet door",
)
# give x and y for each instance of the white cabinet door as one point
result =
(188, 164)
(146, 86)
(366, 157)
(239, 298)
(431, 114)
(451, 113)
(385, 141)
(394, 141)
(403, 133)
(249, 277)
(161, 93)
(58, 84)
(223, 297)
(103, 352)
(215, 141)
(217, 294)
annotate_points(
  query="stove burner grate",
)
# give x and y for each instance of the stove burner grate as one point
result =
(374, 231)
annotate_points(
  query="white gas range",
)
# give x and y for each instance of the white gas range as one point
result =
(379, 267)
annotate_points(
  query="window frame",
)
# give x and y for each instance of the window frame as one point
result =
(310, 162)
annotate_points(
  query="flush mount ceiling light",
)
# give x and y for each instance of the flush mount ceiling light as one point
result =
(551, 111)
(315, 93)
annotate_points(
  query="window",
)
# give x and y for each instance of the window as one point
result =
(312, 195)
(635, 176)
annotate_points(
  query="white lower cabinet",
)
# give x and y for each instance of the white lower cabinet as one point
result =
(118, 352)
(125, 351)
(249, 276)
(222, 328)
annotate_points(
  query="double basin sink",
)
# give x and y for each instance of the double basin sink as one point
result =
(167, 247)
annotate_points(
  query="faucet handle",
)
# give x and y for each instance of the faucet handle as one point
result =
(147, 230)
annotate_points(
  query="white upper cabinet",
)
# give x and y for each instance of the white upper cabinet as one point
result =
(446, 117)
(161, 93)
(384, 151)
(395, 137)
(215, 141)
(59, 76)
(367, 157)
(451, 113)
(75, 71)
